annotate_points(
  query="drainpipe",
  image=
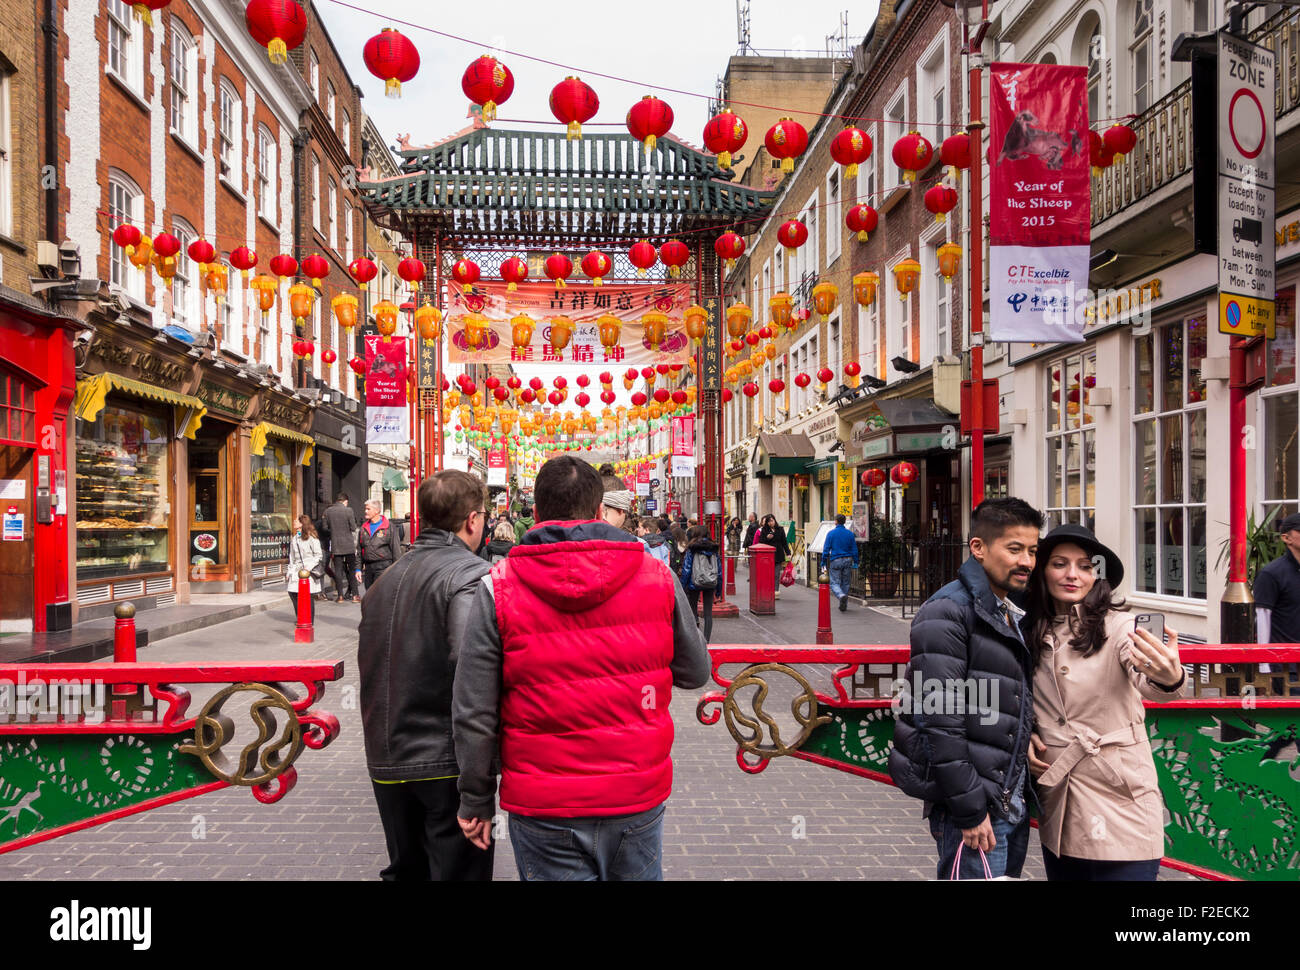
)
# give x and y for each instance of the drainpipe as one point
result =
(50, 29)
(299, 151)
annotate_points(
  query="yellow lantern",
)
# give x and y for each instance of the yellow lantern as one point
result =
(428, 320)
(475, 330)
(738, 317)
(521, 330)
(610, 326)
(345, 312)
(697, 321)
(864, 287)
(825, 295)
(770, 351)
(655, 412)
(781, 306)
(143, 254)
(215, 279)
(301, 299)
(453, 399)
(166, 266)
(732, 375)
(561, 332)
(386, 318)
(656, 327)
(266, 289)
(906, 274)
(690, 396)
(949, 258)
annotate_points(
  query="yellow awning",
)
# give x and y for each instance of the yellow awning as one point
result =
(92, 392)
(257, 440)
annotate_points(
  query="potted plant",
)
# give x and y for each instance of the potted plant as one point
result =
(1263, 544)
(882, 554)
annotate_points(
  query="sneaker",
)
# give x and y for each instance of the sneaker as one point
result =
(844, 604)
(356, 599)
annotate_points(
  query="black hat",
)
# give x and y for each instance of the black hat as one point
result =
(1292, 521)
(1083, 537)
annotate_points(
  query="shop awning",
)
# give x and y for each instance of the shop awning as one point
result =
(92, 392)
(394, 480)
(257, 440)
(782, 454)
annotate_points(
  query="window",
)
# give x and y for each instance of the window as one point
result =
(184, 117)
(17, 411)
(1094, 74)
(895, 128)
(1170, 458)
(228, 146)
(313, 73)
(124, 58)
(266, 178)
(1140, 51)
(934, 304)
(183, 288)
(932, 89)
(803, 358)
(6, 160)
(315, 337)
(1201, 13)
(834, 226)
(1280, 456)
(315, 193)
(331, 215)
(330, 101)
(868, 349)
(834, 351)
(1071, 454)
(778, 271)
(345, 130)
(866, 188)
(125, 204)
(347, 232)
(898, 311)
(761, 296)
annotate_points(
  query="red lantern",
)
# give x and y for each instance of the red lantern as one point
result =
(912, 153)
(649, 120)
(536, 384)
(679, 397)
(555, 398)
(362, 270)
(674, 254)
(358, 365)
(802, 380)
(391, 57)
(940, 199)
(327, 357)
(500, 393)
(643, 256)
(1099, 155)
(283, 266)
(649, 374)
(786, 140)
(639, 399)
(904, 473)
(726, 395)
(488, 83)
(514, 383)
(514, 271)
(776, 385)
(128, 237)
(595, 264)
(560, 383)
(792, 235)
(750, 389)
(202, 252)
(873, 477)
(662, 394)
(825, 375)
(582, 399)
(1119, 139)
(851, 147)
(558, 269)
(752, 338)
(863, 220)
(466, 273)
(724, 135)
(573, 102)
(243, 259)
(527, 395)
(583, 380)
(853, 368)
(608, 397)
(278, 25)
(955, 152)
(315, 267)
(729, 246)
(166, 245)
(411, 270)
(632, 374)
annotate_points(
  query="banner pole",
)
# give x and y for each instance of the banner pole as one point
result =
(976, 129)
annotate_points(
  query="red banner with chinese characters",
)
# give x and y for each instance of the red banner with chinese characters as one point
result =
(387, 415)
(497, 465)
(584, 305)
(1040, 208)
(684, 436)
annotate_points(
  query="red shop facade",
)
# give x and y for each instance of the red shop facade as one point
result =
(37, 384)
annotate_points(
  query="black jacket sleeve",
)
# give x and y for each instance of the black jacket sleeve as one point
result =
(476, 704)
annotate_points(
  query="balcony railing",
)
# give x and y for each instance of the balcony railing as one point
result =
(1164, 131)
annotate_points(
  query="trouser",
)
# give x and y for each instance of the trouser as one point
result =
(1007, 858)
(293, 598)
(424, 839)
(624, 848)
(345, 564)
(371, 571)
(1069, 869)
(693, 595)
(841, 573)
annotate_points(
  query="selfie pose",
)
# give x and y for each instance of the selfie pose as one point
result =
(1094, 663)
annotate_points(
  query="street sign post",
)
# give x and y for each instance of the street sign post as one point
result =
(1246, 187)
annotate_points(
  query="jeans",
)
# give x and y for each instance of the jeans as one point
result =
(345, 565)
(424, 839)
(1069, 869)
(694, 596)
(624, 848)
(1007, 858)
(841, 571)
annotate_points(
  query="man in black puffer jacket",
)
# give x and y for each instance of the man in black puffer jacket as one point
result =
(966, 712)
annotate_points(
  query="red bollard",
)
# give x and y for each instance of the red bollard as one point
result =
(124, 634)
(824, 634)
(304, 633)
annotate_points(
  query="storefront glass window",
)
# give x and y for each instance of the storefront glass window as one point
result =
(1281, 349)
(1280, 457)
(1171, 463)
(271, 508)
(123, 500)
(1069, 442)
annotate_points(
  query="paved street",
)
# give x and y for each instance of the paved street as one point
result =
(721, 823)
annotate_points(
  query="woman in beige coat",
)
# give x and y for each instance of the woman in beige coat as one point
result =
(1102, 814)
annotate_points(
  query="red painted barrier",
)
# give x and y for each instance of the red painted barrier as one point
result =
(304, 633)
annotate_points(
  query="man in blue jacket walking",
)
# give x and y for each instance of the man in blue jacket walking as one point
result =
(841, 555)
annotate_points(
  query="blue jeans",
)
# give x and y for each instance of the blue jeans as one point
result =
(841, 571)
(623, 848)
(1006, 859)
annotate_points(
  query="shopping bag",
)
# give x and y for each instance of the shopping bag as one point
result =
(787, 574)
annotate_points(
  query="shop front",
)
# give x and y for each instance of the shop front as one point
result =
(340, 463)
(280, 465)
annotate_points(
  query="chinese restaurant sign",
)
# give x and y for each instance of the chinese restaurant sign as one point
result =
(1040, 205)
(387, 416)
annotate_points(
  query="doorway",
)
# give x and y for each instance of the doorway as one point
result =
(209, 503)
(17, 556)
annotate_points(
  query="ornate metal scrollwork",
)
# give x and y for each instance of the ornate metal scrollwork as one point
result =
(751, 740)
(254, 766)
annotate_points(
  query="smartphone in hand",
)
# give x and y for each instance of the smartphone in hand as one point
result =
(1153, 623)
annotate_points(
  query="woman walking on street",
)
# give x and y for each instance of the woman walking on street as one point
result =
(676, 550)
(503, 540)
(699, 574)
(734, 529)
(304, 553)
(773, 535)
(1102, 814)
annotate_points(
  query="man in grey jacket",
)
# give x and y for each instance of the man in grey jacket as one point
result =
(341, 522)
(412, 625)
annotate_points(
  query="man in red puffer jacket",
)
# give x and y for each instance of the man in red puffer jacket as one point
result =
(568, 661)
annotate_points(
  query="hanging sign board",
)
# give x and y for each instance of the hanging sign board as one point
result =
(387, 414)
(496, 466)
(1040, 203)
(1247, 180)
(844, 486)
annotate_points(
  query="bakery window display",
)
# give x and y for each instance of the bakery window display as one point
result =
(123, 503)
(272, 503)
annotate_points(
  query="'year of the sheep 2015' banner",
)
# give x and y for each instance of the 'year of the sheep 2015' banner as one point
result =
(387, 414)
(1040, 207)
